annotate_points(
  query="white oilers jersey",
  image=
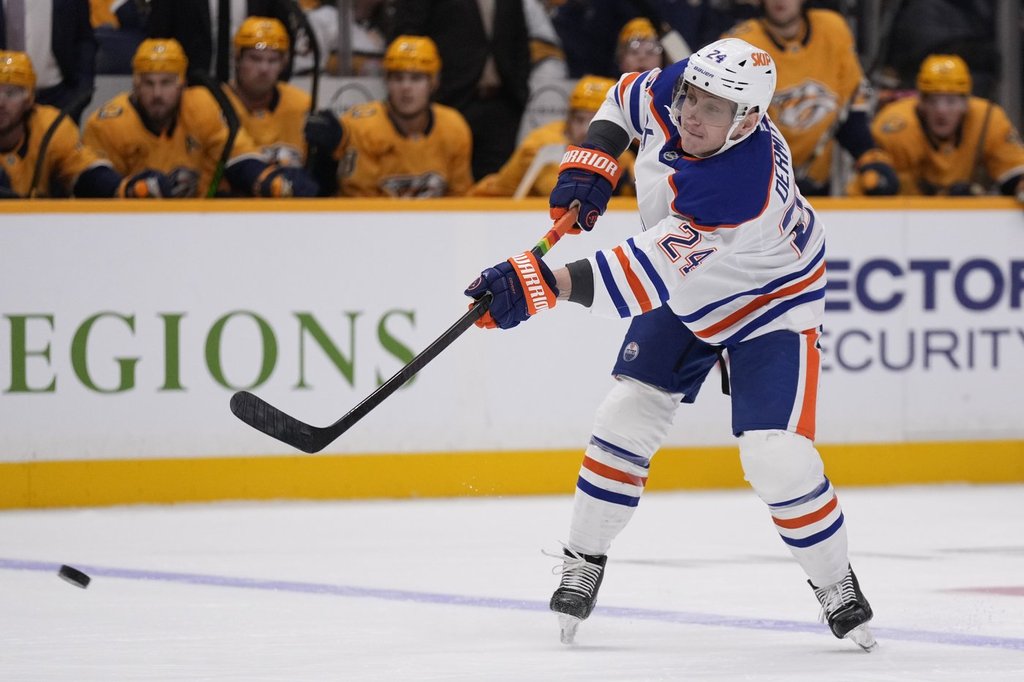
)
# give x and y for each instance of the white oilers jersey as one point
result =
(729, 244)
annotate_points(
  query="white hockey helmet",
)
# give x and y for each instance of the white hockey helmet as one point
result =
(732, 69)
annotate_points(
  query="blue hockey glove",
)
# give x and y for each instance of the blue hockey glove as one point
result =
(285, 181)
(520, 287)
(586, 178)
(147, 184)
(876, 175)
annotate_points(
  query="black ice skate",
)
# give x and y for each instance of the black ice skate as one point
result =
(576, 595)
(846, 610)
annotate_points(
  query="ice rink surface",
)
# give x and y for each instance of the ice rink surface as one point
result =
(699, 587)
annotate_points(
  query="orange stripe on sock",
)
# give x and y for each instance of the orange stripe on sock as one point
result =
(634, 282)
(808, 417)
(807, 519)
(613, 474)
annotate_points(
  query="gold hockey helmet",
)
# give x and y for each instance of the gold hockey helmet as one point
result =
(16, 69)
(160, 55)
(589, 93)
(262, 33)
(637, 30)
(944, 73)
(412, 53)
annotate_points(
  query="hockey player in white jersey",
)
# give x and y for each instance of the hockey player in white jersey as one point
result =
(730, 269)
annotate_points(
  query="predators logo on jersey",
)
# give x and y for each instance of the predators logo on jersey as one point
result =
(423, 186)
(804, 106)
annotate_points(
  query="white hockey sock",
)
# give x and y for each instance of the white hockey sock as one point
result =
(814, 529)
(629, 427)
(607, 493)
(787, 473)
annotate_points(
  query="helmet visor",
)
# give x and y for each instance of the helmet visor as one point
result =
(691, 102)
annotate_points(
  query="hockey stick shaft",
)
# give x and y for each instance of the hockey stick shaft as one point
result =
(81, 101)
(264, 417)
(233, 124)
(314, 47)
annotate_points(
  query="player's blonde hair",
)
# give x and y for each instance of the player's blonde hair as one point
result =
(589, 93)
(16, 69)
(160, 55)
(944, 73)
(262, 33)
(413, 53)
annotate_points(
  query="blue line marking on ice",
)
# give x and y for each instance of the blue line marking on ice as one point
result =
(664, 616)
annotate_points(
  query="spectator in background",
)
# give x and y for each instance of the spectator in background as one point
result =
(822, 95)
(119, 26)
(64, 167)
(196, 25)
(180, 132)
(639, 48)
(538, 157)
(403, 147)
(485, 54)
(588, 32)
(547, 60)
(273, 113)
(58, 38)
(947, 142)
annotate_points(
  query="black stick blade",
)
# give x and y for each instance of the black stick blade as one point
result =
(264, 417)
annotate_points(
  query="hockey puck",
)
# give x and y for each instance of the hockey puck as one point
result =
(74, 576)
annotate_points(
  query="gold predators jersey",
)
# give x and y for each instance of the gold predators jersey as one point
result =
(64, 159)
(277, 131)
(378, 161)
(819, 80)
(927, 167)
(191, 146)
(505, 182)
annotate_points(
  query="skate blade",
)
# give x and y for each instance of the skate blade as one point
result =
(568, 624)
(862, 637)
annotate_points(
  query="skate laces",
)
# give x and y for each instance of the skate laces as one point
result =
(578, 574)
(835, 597)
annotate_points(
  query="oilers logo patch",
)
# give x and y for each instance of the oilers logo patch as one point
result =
(631, 351)
(110, 112)
(804, 105)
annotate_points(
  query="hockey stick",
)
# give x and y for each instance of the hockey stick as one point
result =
(232, 122)
(80, 102)
(264, 417)
(548, 154)
(314, 46)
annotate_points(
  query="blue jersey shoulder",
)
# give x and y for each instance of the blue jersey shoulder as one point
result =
(727, 189)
